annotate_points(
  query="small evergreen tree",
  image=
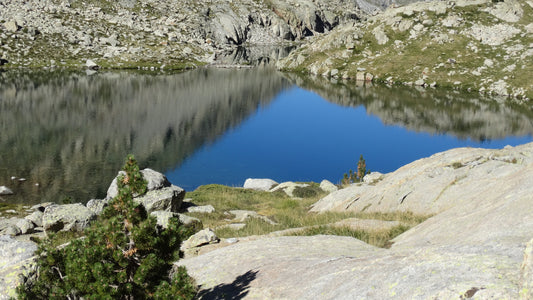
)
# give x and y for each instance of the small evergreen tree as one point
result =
(357, 176)
(123, 255)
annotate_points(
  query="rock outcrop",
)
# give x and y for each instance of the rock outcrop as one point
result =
(474, 246)
(445, 180)
(67, 217)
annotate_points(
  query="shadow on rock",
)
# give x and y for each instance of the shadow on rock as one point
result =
(238, 289)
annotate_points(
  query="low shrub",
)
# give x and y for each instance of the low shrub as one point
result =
(123, 255)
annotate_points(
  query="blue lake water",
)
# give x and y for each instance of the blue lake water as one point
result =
(67, 133)
(300, 136)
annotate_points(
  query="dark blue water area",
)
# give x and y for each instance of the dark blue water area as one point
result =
(300, 136)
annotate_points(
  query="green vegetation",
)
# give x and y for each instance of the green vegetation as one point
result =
(354, 177)
(379, 238)
(288, 213)
(450, 56)
(12, 210)
(123, 255)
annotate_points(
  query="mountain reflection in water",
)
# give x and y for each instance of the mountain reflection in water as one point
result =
(70, 132)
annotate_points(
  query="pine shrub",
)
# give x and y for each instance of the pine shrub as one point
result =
(353, 177)
(124, 255)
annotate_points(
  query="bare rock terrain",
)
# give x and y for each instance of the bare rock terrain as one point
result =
(473, 247)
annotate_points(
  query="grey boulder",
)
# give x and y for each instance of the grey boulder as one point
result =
(206, 209)
(167, 199)
(68, 217)
(259, 184)
(203, 237)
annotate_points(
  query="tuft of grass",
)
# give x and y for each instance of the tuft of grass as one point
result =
(288, 213)
(379, 238)
(20, 210)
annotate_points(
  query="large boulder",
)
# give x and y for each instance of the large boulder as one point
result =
(259, 184)
(154, 181)
(167, 199)
(73, 217)
(160, 195)
(16, 258)
(202, 237)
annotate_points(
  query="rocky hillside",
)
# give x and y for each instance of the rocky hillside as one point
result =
(479, 45)
(156, 33)
(478, 245)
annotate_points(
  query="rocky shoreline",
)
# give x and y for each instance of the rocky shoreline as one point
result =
(471, 45)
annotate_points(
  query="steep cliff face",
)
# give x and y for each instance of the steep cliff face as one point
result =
(478, 45)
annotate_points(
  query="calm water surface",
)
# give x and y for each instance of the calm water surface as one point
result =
(71, 132)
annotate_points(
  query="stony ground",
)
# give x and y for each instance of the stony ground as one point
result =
(154, 33)
(477, 45)
(478, 245)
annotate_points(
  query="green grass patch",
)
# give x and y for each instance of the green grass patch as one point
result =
(378, 238)
(287, 213)
(8, 210)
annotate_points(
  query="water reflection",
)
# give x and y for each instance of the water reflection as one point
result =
(436, 111)
(70, 132)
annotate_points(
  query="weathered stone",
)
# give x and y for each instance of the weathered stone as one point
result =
(203, 237)
(91, 65)
(373, 177)
(167, 199)
(67, 217)
(163, 217)
(259, 184)
(188, 220)
(36, 218)
(154, 181)
(380, 36)
(26, 226)
(16, 258)
(508, 11)
(4, 190)
(206, 209)
(12, 230)
(11, 26)
(328, 186)
(288, 187)
(42, 206)
(97, 205)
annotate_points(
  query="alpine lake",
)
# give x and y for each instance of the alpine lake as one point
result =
(66, 134)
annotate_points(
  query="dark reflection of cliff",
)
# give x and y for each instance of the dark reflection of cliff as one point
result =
(71, 132)
(436, 111)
